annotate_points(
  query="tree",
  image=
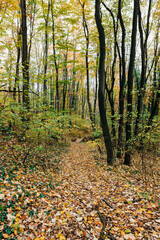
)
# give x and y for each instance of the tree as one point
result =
(127, 160)
(46, 19)
(122, 78)
(55, 59)
(25, 62)
(86, 33)
(101, 91)
(144, 61)
(18, 47)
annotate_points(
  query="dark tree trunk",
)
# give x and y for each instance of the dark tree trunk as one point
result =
(86, 33)
(65, 78)
(101, 92)
(110, 91)
(46, 18)
(55, 60)
(156, 99)
(16, 84)
(25, 63)
(73, 100)
(127, 160)
(143, 44)
(96, 90)
(122, 75)
(51, 92)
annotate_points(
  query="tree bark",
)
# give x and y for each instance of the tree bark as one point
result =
(127, 160)
(101, 92)
(17, 63)
(25, 63)
(55, 60)
(86, 33)
(46, 18)
(143, 44)
(122, 75)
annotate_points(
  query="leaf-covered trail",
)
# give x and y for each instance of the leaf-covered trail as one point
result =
(89, 189)
(84, 200)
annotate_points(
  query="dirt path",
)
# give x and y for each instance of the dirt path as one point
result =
(90, 192)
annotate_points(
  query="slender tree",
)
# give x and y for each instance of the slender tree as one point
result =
(25, 63)
(101, 91)
(18, 47)
(144, 61)
(127, 160)
(86, 33)
(122, 79)
(55, 58)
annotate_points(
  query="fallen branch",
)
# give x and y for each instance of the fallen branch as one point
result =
(103, 218)
(11, 91)
(104, 200)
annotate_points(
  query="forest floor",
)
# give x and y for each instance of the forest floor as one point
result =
(84, 200)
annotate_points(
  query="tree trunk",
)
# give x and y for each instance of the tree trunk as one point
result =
(122, 75)
(46, 18)
(65, 78)
(101, 92)
(143, 44)
(96, 90)
(55, 61)
(25, 63)
(127, 160)
(86, 33)
(17, 64)
(155, 105)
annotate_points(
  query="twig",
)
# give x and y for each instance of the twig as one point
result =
(104, 200)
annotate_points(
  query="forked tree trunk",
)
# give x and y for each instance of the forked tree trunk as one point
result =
(122, 75)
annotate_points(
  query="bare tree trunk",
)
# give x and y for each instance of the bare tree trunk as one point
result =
(122, 74)
(25, 63)
(55, 61)
(16, 83)
(65, 78)
(110, 91)
(46, 18)
(96, 90)
(144, 60)
(101, 92)
(127, 160)
(86, 33)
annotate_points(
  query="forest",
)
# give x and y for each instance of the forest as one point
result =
(79, 119)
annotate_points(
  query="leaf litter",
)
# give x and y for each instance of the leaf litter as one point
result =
(84, 200)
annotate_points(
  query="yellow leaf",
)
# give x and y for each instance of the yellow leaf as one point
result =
(136, 234)
(122, 233)
(5, 235)
(16, 219)
(17, 208)
(15, 225)
(15, 231)
(60, 236)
